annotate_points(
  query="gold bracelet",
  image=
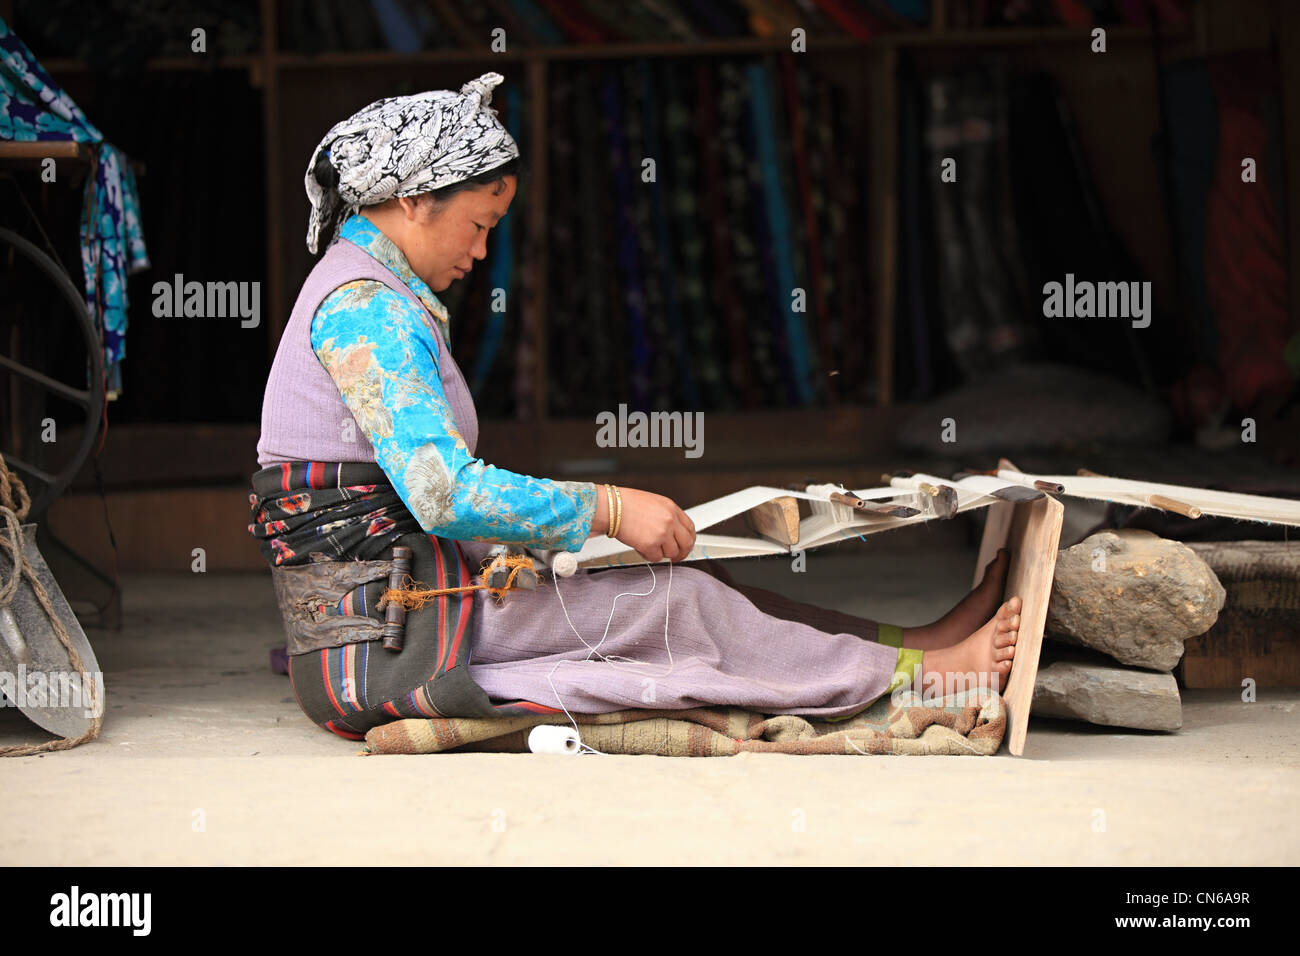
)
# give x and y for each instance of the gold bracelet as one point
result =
(618, 496)
(613, 512)
(609, 516)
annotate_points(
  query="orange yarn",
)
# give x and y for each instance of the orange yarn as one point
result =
(412, 595)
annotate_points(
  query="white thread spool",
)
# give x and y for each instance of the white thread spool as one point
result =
(549, 739)
(837, 511)
(563, 564)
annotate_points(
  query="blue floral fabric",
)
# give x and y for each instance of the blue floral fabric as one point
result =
(33, 108)
(377, 346)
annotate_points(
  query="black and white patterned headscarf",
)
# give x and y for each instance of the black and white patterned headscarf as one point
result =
(403, 146)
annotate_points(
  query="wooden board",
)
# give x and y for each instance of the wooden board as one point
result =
(1032, 531)
(777, 520)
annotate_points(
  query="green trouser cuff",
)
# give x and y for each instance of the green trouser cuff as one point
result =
(906, 670)
(890, 634)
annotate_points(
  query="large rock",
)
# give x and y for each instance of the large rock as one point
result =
(1104, 693)
(1134, 596)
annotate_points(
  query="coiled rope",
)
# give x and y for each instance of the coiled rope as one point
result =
(14, 505)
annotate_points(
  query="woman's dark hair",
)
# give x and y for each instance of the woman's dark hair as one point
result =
(511, 167)
(324, 172)
(328, 177)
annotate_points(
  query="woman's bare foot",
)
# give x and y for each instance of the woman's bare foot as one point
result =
(989, 650)
(971, 612)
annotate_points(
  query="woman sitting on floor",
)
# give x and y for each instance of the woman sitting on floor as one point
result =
(368, 440)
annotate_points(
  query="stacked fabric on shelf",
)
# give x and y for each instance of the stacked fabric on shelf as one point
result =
(699, 230)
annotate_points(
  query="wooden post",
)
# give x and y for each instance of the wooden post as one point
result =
(1289, 50)
(275, 305)
(883, 210)
(938, 16)
(537, 245)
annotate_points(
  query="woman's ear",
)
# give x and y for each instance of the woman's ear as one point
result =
(410, 207)
(419, 209)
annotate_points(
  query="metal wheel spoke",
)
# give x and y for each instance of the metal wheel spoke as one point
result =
(17, 464)
(76, 396)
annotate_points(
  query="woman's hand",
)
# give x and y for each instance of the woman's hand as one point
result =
(654, 526)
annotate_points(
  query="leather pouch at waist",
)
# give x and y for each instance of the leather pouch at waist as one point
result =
(305, 592)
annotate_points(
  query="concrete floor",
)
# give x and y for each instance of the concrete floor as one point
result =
(206, 759)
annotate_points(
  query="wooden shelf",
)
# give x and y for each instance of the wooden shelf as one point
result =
(165, 455)
(920, 38)
(610, 51)
(165, 64)
(46, 149)
(1020, 36)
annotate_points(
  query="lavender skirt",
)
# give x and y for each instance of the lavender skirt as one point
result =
(587, 645)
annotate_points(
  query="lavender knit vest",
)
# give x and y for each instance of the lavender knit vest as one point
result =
(303, 414)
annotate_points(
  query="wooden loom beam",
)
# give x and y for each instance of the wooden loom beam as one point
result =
(776, 520)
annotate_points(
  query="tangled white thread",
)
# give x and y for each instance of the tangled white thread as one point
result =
(613, 660)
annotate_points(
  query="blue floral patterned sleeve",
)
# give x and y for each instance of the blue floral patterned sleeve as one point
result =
(377, 346)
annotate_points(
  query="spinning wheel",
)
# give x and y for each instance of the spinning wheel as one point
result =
(22, 266)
